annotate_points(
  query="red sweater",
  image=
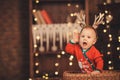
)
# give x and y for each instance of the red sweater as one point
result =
(93, 54)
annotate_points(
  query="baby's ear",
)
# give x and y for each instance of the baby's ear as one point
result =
(94, 41)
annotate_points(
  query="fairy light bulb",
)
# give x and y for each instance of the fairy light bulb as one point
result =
(106, 11)
(56, 64)
(107, 26)
(118, 38)
(38, 37)
(110, 67)
(37, 1)
(108, 45)
(104, 3)
(108, 52)
(63, 52)
(77, 6)
(110, 35)
(37, 71)
(109, 62)
(70, 63)
(36, 54)
(35, 46)
(58, 56)
(36, 64)
(104, 30)
(118, 48)
(56, 72)
(71, 57)
(68, 4)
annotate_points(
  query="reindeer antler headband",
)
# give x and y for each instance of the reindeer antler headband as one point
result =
(81, 19)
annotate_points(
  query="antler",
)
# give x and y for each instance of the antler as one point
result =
(80, 18)
(98, 20)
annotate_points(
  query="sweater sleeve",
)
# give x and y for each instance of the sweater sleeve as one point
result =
(99, 60)
(70, 48)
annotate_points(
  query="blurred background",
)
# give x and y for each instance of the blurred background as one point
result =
(20, 59)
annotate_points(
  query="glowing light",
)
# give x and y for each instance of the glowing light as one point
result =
(34, 10)
(119, 56)
(107, 21)
(77, 6)
(35, 28)
(37, 71)
(109, 62)
(107, 26)
(108, 53)
(36, 54)
(118, 48)
(71, 57)
(70, 63)
(68, 4)
(110, 39)
(58, 56)
(37, 1)
(108, 45)
(36, 64)
(111, 68)
(56, 64)
(35, 46)
(104, 30)
(110, 35)
(71, 14)
(106, 11)
(43, 77)
(37, 37)
(56, 72)
(35, 19)
(46, 78)
(30, 79)
(46, 74)
(63, 52)
(118, 38)
(104, 3)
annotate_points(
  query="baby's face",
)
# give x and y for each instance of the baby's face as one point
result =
(87, 38)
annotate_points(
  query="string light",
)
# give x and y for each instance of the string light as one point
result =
(109, 62)
(71, 57)
(37, 71)
(63, 52)
(118, 38)
(111, 68)
(109, 45)
(37, 1)
(68, 4)
(56, 64)
(36, 54)
(108, 52)
(56, 72)
(36, 64)
(118, 48)
(30, 78)
(70, 63)
(58, 56)
(104, 30)
(35, 45)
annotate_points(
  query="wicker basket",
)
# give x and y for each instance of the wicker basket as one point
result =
(105, 75)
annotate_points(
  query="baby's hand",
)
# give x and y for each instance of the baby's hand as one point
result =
(75, 36)
(95, 72)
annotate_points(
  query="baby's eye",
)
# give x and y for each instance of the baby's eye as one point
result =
(83, 36)
(89, 37)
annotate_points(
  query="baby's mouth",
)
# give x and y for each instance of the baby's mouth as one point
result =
(84, 43)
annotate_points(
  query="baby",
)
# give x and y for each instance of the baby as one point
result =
(82, 46)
